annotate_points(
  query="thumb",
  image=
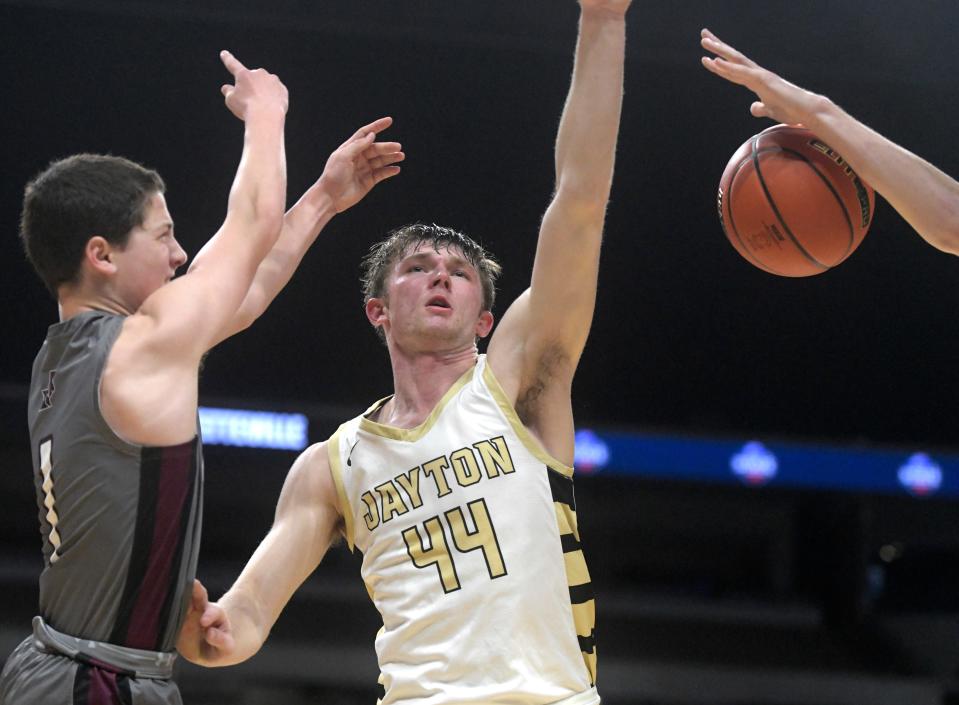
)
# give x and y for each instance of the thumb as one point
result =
(226, 89)
(199, 598)
(759, 109)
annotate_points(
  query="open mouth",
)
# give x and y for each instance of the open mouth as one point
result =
(439, 302)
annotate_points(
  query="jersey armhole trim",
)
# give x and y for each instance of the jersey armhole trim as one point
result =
(525, 435)
(336, 470)
(114, 438)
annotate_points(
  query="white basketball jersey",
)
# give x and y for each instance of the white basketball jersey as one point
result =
(470, 553)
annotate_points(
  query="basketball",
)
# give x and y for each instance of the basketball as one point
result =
(790, 204)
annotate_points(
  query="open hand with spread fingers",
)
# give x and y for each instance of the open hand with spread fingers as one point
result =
(779, 99)
(359, 164)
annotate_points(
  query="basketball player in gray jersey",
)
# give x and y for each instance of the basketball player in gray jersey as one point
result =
(926, 197)
(113, 400)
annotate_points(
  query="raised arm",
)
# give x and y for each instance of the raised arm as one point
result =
(148, 391)
(926, 197)
(351, 172)
(537, 346)
(192, 310)
(307, 520)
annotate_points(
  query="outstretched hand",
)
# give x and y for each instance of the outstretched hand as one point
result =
(205, 636)
(359, 164)
(251, 90)
(778, 98)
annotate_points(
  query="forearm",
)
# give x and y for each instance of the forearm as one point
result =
(258, 195)
(563, 282)
(926, 197)
(586, 141)
(256, 201)
(301, 226)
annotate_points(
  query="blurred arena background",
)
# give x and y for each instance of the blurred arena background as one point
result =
(769, 486)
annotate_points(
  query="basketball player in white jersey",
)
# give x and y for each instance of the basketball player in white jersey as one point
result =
(924, 196)
(458, 487)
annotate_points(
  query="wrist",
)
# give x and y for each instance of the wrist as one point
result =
(603, 13)
(268, 113)
(820, 112)
(320, 200)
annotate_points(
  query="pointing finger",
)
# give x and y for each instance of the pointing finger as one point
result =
(232, 64)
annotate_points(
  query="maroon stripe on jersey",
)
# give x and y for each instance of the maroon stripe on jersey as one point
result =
(167, 484)
(97, 686)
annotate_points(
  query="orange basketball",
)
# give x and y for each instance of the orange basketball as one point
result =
(791, 205)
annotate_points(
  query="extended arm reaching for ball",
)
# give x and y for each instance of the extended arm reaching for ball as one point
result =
(925, 196)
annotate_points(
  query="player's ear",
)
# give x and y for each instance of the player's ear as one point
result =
(376, 312)
(98, 255)
(484, 324)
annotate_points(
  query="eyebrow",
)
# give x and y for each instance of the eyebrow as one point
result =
(454, 259)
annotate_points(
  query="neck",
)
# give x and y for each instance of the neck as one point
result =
(420, 380)
(71, 303)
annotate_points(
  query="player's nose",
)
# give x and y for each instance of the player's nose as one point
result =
(178, 256)
(442, 278)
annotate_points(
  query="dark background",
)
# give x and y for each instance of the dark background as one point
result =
(688, 337)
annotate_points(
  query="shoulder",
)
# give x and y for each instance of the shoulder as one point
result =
(142, 332)
(144, 381)
(311, 464)
(309, 497)
(309, 479)
(139, 348)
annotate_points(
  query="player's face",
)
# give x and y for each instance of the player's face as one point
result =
(435, 297)
(151, 255)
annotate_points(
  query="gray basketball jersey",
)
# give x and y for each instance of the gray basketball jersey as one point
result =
(120, 522)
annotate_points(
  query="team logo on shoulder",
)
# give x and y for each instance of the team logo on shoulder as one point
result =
(46, 400)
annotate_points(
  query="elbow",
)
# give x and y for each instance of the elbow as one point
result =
(951, 234)
(583, 201)
(270, 207)
(241, 322)
(949, 242)
(946, 236)
(266, 218)
(261, 213)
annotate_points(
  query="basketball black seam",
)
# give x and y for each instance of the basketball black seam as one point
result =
(728, 201)
(832, 190)
(772, 202)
